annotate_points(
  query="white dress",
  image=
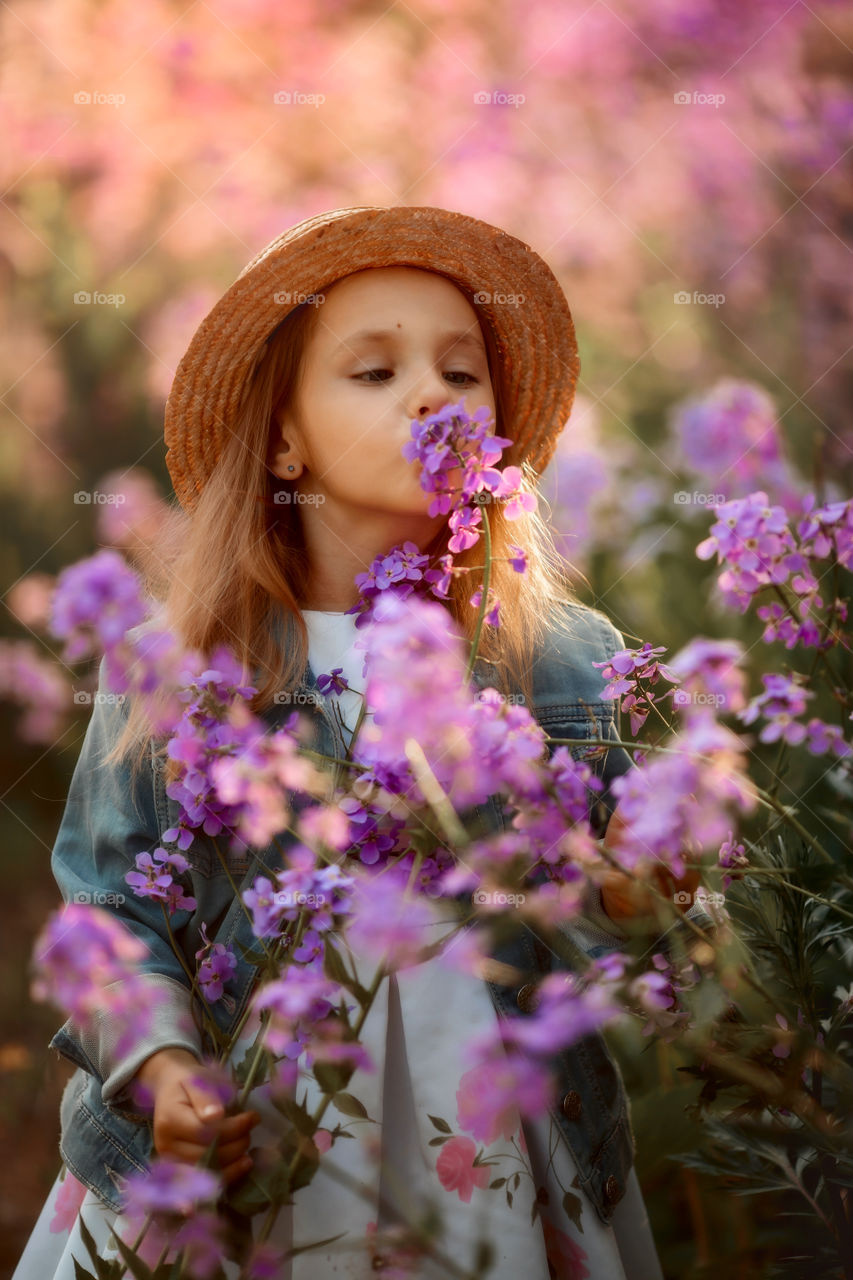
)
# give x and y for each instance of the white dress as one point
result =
(415, 1032)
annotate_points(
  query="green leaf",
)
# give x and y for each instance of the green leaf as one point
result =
(333, 965)
(441, 1125)
(80, 1272)
(498, 1182)
(252, 956)
(104, 1269)
(573, 1208)
(135, 1266)
(332, 1076)
(315, 1244)
(485, 1257)
(349, 1105)
(439, 1142)
(297, 1114)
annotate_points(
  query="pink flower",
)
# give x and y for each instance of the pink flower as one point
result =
(567, 1258)
(486, 1123)
(456, 1170)
(68, 1201)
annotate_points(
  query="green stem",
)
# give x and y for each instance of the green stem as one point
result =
(484, 600)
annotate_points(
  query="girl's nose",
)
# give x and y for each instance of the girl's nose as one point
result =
(428, 397)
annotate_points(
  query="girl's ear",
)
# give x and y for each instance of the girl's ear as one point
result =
(284, 460)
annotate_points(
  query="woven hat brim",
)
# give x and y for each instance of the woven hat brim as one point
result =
(516, 293)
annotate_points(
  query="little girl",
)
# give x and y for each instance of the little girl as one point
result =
(286, 425)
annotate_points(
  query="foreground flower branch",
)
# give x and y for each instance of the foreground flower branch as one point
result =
(367, 847)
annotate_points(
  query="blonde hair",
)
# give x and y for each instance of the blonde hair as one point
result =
(221, 573)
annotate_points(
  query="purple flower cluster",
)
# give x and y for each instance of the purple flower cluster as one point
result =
(732, 857)
(234, 774)
(99, 606)
(87, 962)
(169, 1187)
(387, 925)
(34, 684)
(632, 673)
(730, 435)
(446, 443)
(447, 440)
(783, 700)
(710, 677)
(323, 892)
(473, 747)
(216, 965)
(676, 801)
(154, 878)
(301, 1010)
(518, 1049)
(755, 542)
(95, 602)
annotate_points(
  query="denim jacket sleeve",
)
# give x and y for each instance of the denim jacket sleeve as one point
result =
(108, 819)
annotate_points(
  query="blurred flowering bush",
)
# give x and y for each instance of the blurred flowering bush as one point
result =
(757, 1000)
(690, 164)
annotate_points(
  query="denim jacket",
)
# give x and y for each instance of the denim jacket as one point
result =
(108, 820)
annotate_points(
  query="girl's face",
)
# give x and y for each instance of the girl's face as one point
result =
(390, 344)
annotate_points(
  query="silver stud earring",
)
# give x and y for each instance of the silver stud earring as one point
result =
(291, 467)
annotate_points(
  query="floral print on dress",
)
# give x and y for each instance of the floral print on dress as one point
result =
(457, 1170)
(67, 1204)
(566, 1259)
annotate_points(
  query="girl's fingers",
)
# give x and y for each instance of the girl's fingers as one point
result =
(236, 1170)
(179, 1149)
(232, 1151)
(236, 1126)
(185, 1126)
(205, 1105)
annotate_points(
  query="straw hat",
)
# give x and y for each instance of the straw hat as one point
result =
(509, 285)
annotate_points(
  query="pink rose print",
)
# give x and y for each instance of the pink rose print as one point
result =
(322, 1139)
(67, 1203)
(476, 1111)
(566, 1259)
(456, 1170)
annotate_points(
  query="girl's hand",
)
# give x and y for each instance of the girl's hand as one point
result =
(187, 1117)
(624, 897)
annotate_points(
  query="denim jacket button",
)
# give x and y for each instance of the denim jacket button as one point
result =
(527, 998)
(612, 1190)
(572, 1109)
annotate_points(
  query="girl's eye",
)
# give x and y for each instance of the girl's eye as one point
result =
(451, 373)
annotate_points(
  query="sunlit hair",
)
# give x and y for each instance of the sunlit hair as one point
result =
(222, 574)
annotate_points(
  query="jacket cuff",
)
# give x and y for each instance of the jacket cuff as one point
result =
(171, 1026)
(597, 917)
